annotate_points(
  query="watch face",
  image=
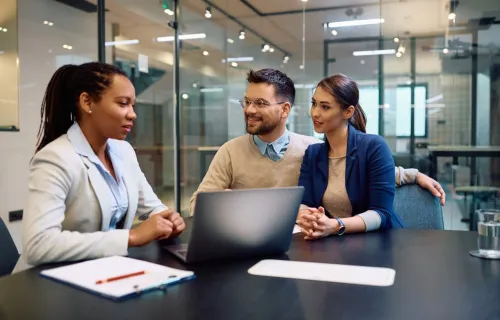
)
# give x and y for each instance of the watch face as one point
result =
(341, 230)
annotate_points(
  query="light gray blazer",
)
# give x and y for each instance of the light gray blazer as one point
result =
(68, 213)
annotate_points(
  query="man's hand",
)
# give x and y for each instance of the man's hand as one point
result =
(432, 186)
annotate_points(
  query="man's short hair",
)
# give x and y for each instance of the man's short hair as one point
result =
(283, 85)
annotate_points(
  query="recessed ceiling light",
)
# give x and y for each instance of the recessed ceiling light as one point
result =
(334, 32)
(396, 39)
(208, 13)
(169, 12)
(230, 40)
(185, 96)
(399, 54)
(234, 64)
(271, 49)
(205, 53)
(445, 50)
(301, 67)
(452, 16)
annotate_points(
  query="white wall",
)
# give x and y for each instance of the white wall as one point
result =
(40, 53)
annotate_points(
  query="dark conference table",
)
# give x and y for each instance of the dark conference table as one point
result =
(435, 279)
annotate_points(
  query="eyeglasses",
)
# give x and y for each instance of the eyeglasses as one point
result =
(258, 103)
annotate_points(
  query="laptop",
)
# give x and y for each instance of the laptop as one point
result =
(240, 224)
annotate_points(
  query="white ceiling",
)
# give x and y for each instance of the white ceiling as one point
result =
(145, 20)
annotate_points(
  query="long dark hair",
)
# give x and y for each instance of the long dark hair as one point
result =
(346, 93)
(60, 103)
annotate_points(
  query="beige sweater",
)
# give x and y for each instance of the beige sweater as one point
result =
(238, 164)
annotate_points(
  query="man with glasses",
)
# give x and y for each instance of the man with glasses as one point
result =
(270, 155)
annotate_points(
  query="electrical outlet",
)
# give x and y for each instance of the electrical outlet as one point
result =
(15, 215)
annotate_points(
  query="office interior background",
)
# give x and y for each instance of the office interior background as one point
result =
(428, 72)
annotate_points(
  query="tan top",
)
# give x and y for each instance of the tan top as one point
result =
(239, 164)
(335, 200)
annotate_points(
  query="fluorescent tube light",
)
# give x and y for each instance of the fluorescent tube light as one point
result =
(120, 42)
(182, 37)
(353, 23)
(211, 90)
(373, 52)
(240, 59)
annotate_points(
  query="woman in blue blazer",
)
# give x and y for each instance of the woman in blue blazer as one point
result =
(349, 179)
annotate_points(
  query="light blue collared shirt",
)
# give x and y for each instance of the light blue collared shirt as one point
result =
(117, 189)
(279, 146)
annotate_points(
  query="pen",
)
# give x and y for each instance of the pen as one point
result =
(121, 277)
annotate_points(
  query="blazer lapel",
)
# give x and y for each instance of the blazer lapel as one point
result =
(323, 168)
(101, 190)
(351, 157)
(131, 184)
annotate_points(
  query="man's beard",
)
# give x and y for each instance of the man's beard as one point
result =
(262, 129)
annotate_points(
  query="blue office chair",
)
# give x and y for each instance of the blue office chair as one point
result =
(418, 208)
(8, 251)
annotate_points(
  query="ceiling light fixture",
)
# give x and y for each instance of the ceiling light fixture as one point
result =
(65, 46)
(396, 40)
(208, 13)
(334, 32)
(182, 37)
(185, 96)
(121, 42)
(215, 89)
(238, 59)
(169, 12)
(373, 52)
(229, 40)
(353, 23)
(234, 64)
(452, 16)
(205, 53)
(445, 50)
(398, 54)
(271, 49)
(265, 47)
(242, 35)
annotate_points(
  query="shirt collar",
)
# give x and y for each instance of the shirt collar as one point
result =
(277, 145)
(83, 148)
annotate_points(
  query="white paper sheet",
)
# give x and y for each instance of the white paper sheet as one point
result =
(361, 275)
(86, 274)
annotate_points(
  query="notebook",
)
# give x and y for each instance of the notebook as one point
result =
(340, 273)
(120, 277)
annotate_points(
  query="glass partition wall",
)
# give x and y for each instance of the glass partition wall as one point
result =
(428, 73)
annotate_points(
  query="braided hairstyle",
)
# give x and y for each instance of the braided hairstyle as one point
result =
(61, 101)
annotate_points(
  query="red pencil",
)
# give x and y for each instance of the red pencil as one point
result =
(121, 277)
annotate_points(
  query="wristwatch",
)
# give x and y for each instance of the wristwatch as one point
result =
(341, 227)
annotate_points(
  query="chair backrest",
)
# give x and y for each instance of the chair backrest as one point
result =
(8, 251)
(418, 208)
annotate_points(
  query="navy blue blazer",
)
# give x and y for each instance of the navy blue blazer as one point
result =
(369, 176)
